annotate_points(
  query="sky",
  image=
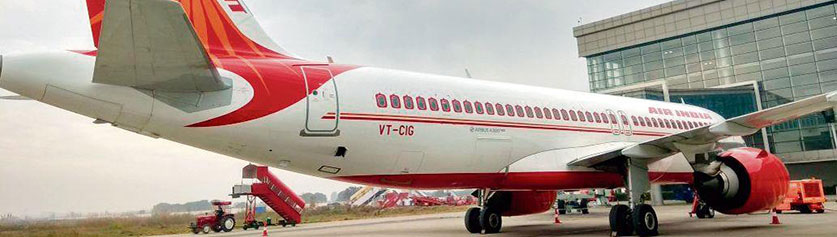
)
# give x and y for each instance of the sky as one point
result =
(54, 161)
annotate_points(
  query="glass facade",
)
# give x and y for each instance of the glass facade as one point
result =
(792, 55)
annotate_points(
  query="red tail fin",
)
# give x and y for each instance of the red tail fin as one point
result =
(96, 10)
(218, 32)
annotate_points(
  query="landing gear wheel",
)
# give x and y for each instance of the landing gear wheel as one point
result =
(206, 229)
(820, 210)
(620, 220)
(472, 220)
(227, 224)
(704, 211)
(645, 220)
(490, 220)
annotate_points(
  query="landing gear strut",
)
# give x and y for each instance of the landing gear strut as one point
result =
(485, 218)
(637, 217)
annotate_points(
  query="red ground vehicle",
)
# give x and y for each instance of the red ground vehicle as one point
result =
(220, 221)
(805, 195)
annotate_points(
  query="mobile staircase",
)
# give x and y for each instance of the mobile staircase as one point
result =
(272, 192)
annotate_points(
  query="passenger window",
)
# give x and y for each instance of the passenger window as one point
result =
(556, 114)
(478, 107)
(445, 105)
(467, 106)
(420, 103)
(529, 112)
(598, 118)
(546, 113)
(565, 115)
(604, 118)
(457, 107)
(489, 109)
(394, 101)
(509, 110)
(500, 110)
(573, 116)
(641, 122)
(633, 118)
(518, 110)
(434, 105)
(408, 102)
(538, 112)
(624, 119)
(581, 116)
(613, 119)
(381, 100)
(589, 116)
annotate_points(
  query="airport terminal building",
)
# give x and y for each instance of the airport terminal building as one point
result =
(730, 56)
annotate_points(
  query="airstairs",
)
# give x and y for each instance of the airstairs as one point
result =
(272, 192)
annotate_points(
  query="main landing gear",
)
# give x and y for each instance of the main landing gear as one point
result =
(636, 217)
(486, 218)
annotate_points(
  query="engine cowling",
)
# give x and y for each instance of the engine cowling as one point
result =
(749, 180)
(516, 203)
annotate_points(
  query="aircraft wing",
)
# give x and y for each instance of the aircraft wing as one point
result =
(150, 44)
(703, 139)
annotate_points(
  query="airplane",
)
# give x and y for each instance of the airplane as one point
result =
(203, 73)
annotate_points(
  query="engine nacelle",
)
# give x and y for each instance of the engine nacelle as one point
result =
(749, 180)
(516, 203)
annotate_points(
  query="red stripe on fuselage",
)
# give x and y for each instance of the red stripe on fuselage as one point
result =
(551, 180)
(453, 121)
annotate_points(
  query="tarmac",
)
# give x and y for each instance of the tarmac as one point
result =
(674, 221)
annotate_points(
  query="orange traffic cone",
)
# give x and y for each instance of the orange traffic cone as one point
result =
(264, 233)
(557, 221)
(775, 218)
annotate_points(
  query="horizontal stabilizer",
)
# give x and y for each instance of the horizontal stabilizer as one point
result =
(150, 44)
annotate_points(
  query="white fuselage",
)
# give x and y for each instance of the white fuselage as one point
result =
(378, 140)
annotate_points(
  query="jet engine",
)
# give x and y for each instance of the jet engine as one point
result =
(743, 180)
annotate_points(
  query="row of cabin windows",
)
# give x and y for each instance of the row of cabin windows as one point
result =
(640, 121)
(395, 101)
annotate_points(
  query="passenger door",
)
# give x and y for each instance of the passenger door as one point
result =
(323, 99)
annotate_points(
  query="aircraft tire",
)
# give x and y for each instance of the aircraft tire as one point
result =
(645, 220)
(620, 220)
(491, 220)
(472, 220)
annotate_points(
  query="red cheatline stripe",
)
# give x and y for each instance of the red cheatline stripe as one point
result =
(420, 119)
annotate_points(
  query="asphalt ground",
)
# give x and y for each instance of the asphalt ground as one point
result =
(674, 221)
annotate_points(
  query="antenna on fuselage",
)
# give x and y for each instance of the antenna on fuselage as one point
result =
(682, 101)
(330, 60)
(468, 73)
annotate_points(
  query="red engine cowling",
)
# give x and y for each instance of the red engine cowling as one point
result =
(516, 203)
(749, 180)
